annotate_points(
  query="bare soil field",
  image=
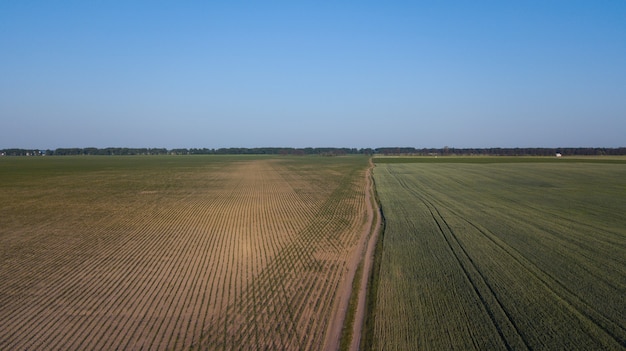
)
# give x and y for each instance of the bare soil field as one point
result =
(175, 252)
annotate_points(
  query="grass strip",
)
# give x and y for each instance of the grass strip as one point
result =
(499, 159)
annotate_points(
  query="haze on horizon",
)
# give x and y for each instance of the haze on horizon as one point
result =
(305, 74)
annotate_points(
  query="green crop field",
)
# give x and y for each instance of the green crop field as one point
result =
(175, 252)
(483, 254)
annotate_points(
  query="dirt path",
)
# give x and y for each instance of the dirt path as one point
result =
(363, 252)
(368, 260)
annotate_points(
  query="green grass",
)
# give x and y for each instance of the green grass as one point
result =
(521, 254)
(500, 159)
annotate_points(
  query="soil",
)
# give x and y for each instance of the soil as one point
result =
(364, 252)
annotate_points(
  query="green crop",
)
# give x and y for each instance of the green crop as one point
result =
(515, 255)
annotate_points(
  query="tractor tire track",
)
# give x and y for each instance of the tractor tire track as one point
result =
(508, 331)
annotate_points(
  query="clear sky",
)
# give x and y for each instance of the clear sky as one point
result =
(358, 74)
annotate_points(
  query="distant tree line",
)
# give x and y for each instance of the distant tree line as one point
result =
(22, 152)
(328, 151)
(535, 151)
(183, 151)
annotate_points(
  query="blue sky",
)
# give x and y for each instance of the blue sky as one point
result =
(303, 73)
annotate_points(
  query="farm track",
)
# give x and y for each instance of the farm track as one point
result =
(372, 231)
(361, 256)
(529, 299)
(251, 260)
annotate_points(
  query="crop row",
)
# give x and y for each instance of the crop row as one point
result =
(501, 256)
(229, 255)
(288, 304)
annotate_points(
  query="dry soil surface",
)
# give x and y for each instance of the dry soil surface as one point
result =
(364, 252)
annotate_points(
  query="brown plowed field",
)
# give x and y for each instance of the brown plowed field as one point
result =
(175, 252)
